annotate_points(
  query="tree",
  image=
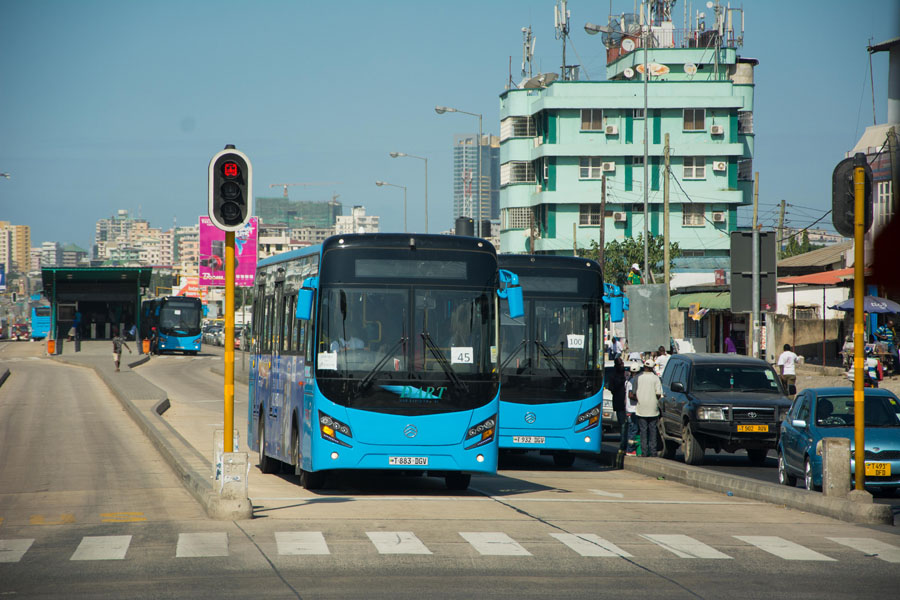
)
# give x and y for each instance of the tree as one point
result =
(794, 247)
(619, 256)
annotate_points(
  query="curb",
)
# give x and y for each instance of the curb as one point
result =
(807, 369)
(188, 464)
(753, 489)
(4, 376)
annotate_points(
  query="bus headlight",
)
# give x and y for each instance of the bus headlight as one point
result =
(589, 419)
(483, 433)
(329, 428)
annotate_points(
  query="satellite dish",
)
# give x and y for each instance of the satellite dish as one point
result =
(630, 24)
(656, 69)
(628, 72)
(628, 44)
(690, 68)
(613, 36)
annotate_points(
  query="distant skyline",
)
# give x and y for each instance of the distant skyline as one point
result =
(109, 105)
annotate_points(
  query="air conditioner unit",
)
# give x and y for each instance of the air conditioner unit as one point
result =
(538, 140)
(620, 217)
(720, 165)
(612, 130)
(717, 130)
(609, 167)
(718, 217)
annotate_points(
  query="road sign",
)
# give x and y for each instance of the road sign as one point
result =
(742, 272)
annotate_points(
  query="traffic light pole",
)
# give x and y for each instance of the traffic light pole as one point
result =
(229, 341)
(859, 411)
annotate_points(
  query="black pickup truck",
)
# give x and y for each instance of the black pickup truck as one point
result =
(722, 402)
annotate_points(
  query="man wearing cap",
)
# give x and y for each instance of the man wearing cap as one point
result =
(648, 391)
(634, 276)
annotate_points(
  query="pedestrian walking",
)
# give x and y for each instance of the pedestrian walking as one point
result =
(662, 359)
(787, 363)
(118, 341)
(647, 392)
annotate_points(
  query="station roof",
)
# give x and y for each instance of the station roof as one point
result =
(137, 276)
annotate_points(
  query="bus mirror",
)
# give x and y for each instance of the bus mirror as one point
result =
(305, 298)
(512, 291)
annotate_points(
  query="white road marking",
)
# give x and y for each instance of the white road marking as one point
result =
(872, 547)
(13, 550)
(201, 544)
(684, 546)
(294, 543)
(494, 543)
(397, 542)
(588, 544)
(608, 494)
(107, 547)
(782, 548)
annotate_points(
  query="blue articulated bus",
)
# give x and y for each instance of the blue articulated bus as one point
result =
(177, 321)
(378, 351)
(551, 387)
(40, 322)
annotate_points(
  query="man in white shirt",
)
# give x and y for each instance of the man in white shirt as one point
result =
(661, 359)
(648, 391)
(786, 363)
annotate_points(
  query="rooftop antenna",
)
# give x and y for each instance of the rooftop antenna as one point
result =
(561, 24)
(528, 41)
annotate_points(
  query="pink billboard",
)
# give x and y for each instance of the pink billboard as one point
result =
(212, 254)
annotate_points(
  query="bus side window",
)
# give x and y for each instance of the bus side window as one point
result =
(290, 323)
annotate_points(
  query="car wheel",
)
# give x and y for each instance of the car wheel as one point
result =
(757, 456)
(690, 446)
(808, 477)
(266, 464)
(458, 481)
(564, 459)
(785, 478)
(669, 447)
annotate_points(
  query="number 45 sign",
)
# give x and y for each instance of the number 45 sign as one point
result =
(461, 355)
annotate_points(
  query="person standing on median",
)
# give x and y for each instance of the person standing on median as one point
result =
(118, 341)
(647, 392)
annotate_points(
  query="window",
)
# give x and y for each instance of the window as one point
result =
(693, 253)
(745, 169)
(517, 172)
(591, 167)
(637, 161)
(883, 209)
(694, 119)
(592, 119)
(589, 214)
(517, 127)
(694, 167)
(745, 122)
(517, 218)
(692, 214)
(637, 207)
(637, 113)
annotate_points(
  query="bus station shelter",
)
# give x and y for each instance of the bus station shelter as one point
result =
(106, 298)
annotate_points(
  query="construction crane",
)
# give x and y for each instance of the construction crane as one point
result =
(287, 185)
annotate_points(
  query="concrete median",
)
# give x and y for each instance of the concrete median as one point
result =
(752, 489)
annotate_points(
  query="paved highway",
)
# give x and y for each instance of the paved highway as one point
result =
(533, 531)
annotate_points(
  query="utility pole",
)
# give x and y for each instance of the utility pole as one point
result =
(781, 229)
(645, 40)
(531, 231)
(754, 258)
(602, 219)
(666, 221)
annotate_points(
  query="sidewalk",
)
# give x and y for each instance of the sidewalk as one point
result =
(145, 403)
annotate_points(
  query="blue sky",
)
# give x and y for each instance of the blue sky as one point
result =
(120, 104)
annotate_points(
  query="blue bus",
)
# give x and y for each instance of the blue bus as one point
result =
(551, 387)
(378, 351)
(177, 323)
(40, 322)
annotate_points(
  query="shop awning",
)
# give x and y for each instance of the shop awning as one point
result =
(824, 278)
(707, 300)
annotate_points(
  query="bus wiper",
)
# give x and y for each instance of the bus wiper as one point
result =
(445, 364)
(554, 361)
(512, 354)
(387, 355)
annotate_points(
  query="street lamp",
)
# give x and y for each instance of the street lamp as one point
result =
(445, 109)
(399, 154)
(382, 183)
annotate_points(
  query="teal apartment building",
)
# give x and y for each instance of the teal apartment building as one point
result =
(560, 139)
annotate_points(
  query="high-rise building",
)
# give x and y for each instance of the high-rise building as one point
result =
(118, 231)
(357, 222)
(465, 181)
(51, 254)
(284, 211)
(563, 141)
(15, 247)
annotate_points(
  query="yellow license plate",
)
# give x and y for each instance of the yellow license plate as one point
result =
(753, 428)
(874, 469)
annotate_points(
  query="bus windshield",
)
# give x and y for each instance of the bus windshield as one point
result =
(407, 348)
(549, 354)
(179, 317)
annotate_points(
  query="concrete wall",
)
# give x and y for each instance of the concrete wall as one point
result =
(808, 336)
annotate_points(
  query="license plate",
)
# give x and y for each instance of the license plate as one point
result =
(529, 439)
(753, 428)
(408, 461)
(874, 469)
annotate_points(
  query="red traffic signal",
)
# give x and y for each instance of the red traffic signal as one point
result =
(230, 189)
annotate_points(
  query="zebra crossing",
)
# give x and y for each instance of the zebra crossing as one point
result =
(485, 543)
(15, 359)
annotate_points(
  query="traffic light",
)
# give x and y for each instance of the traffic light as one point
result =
(843, 195)
(230, 189)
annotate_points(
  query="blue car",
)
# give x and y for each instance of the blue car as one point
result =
(828, 412)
